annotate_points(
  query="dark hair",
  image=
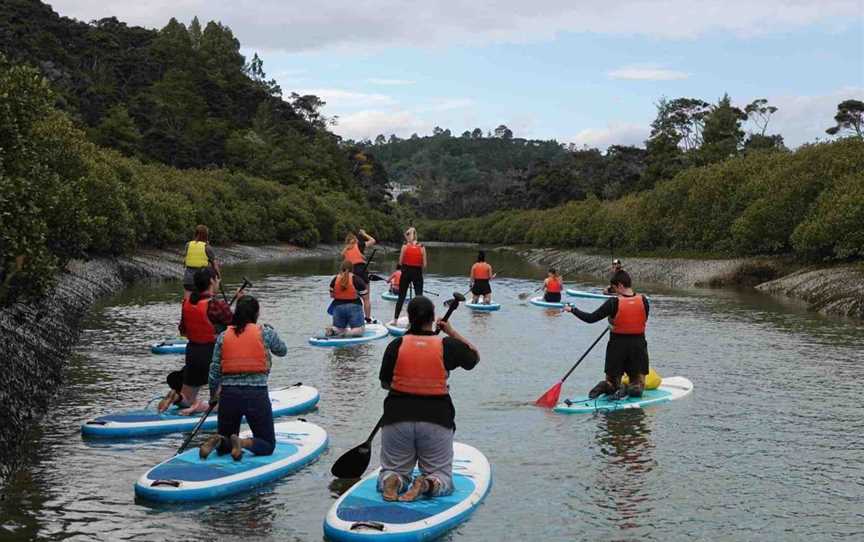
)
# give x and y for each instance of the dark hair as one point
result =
(421, 311)
(201, 281)
(481, 256)
(398, 267)
(621, 277)
(202, 233)
(246, 312)
(553, 271)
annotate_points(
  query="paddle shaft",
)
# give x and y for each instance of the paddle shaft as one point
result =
(196, 429)
(597, 340)
(234, 298)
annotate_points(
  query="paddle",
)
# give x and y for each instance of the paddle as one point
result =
(354, 462)
(246, 284)
(524, 295)
(550, 398)
(365, 267)
(197, 428)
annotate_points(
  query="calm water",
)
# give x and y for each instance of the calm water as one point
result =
(769, 446)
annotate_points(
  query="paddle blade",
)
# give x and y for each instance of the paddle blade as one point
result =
(550, 398)
(330, 308)
(353, 463)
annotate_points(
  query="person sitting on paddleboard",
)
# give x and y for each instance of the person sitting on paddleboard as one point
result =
(199, 255)
(412, 262)
(419, 418)
(354, 251)
(481, 274)
(553, 286)
(347, 289)
(616, 266)
(627, 350)
(238, 380)
(393, 281)
(201, 319)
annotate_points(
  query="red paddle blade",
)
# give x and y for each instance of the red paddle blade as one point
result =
(550, 398)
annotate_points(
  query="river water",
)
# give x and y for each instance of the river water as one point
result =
(769, 446)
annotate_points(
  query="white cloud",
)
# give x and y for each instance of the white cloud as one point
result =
(615, 133)
(803, 119)
(371, 24)
(390, 82)
(339, 98)
(646, 73)
(369, 123)
(450, 104)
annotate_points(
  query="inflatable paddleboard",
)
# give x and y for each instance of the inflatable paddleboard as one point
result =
(670, 389)
(362, 514)
(401, 327)
(483, 306)
(170, 346)
(548, 304)
(187, 477)
(390, 296)
(586, 295)
(138, 423)
(373, 332)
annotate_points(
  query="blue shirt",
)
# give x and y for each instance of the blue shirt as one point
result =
(272, 343)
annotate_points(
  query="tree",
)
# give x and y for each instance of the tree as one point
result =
(502, 132)
(380, 139)
(849, 117)
(195, 33)
(759, 113)
(682, 119)
(119, 131)
(722, 136)
(477, 133)
(466, 135)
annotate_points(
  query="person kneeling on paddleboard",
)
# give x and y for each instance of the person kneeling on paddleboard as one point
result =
(616, 266)
(627, 350)
(393, 280)
(238, 381)
(202, 318)
(481, 274)
(347, 289)
(419, 418)
(553, 286)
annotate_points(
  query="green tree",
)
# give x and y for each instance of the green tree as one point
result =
(722, 135)
(502, 132)
(119, 131)
(849, 118)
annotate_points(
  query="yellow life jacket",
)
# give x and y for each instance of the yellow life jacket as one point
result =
(652, 380)
(196, 254)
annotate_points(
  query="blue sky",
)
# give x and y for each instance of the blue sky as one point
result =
(584, 72)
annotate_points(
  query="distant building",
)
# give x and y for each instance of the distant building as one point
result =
(397, 189)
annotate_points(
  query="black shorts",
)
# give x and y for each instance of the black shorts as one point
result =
(626, 354)
(481, 287)
(361, 271)
(196, 372)
(552, 297)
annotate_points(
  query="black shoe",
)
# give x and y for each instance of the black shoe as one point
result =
(601, 388)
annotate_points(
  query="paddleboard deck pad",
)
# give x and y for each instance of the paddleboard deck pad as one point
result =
(187, 477)
(390, 296)
(670, 389)
(373, 332)
(362, 514)
(547, 304)
(139, 423)
(171, 346)
(586, 295)
(483, 306)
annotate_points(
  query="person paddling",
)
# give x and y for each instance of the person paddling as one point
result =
(347, 290)
(481, 274)
(419, 418)
(412, 262)
(616, 266)
(238, 381)
(627, 350)
(199, 255)
(393, 280)
(201, 319)
(354, 251)
(553, 286)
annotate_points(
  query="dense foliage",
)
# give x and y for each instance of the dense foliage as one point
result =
(809, 202)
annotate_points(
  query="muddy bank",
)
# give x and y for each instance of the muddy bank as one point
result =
(834, 291)
(36, 337)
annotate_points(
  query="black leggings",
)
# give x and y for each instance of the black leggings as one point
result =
(410, 275)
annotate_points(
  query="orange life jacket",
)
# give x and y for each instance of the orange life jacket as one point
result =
(413, 256)
(481, 271)
(196, 324)
(394, 279)
(347, 293)
(353, 254)
(420, 366)
(630, 318)
(244, 353)
(554, 286)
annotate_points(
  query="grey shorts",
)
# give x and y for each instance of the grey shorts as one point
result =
(428, 446)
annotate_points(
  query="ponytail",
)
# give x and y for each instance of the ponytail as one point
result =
(345, 274)
(245, 313)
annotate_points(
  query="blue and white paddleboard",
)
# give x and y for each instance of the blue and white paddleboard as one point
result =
(373, 332)
(187, 477)
(483, 306)
(547, 304)
(362, 514)
(390, 296)
(586, 295)
(139, 423)
(670, 389)
(170, 346)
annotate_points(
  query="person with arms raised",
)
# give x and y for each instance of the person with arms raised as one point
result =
(347, 290)
(412, 262)
(354, 251)
(481, 274)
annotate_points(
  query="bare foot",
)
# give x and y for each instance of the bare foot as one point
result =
(236, 448)
(419, 487)
(209, 445)
(391, 488)
(169, 400)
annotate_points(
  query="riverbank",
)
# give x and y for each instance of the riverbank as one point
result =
(36, 338)
(836, 291)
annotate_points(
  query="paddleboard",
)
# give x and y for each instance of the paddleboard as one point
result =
(373, 332)
(138, 423)
(390, 296)
(670, 389)
(170, 346)
(548, 304)
(401, 327)
(586, 295)
(483, 306)
(362, 514)
(187, 477)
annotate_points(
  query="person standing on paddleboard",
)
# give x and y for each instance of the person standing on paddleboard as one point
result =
(347, 289)
(553, 286)
(199, 255)
(616, 266)
(238, 381)
(419, 418)
(355, 252)
(481, 274)
(627, 350)
(201, 319)
(412, 262)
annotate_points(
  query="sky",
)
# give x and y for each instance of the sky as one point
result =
(587, 72)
